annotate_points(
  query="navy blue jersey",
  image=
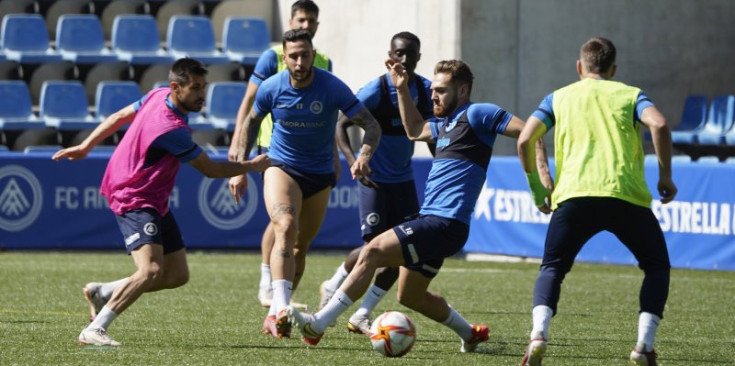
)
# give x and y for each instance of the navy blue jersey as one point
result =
(391, 162)
(304, 119)
(464, 143)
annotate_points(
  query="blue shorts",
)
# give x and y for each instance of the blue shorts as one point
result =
(386, 206)
(309, 183)
(427, 240)
(147, 226)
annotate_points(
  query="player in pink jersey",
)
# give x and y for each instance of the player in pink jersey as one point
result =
(138, 182)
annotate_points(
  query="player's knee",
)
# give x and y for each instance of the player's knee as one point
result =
(370, 254)
(150, 273)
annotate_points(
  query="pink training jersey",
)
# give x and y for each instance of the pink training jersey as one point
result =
(127, 183)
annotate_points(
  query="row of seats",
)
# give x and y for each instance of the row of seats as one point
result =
(64, 108)
(79, 38)
(706, 130)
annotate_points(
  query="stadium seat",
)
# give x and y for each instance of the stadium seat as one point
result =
(25, 39)
(16, 110)
(42, 149)
(116, 71)
(153, 74)
(79, 39)
(708, 160)
(135, 40)
(681, 159)
(193, 36)
(223, 101)
(10, 70)
(693, 117)
(17, 7)
(244, 39)
(112, 96)
(169, 9)
(59, 8)
(61, 70)
(64, 106)
(222, 10)
(719, 122)
(117, 8)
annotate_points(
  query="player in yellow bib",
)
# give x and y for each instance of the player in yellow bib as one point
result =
(599, 185)
(304, 15)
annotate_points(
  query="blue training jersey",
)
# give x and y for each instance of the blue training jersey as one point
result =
(304, 119)
(464, 143)
(391, 162)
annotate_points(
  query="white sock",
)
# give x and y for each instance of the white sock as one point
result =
(265, 275)
(371, 299)
(103, 319)
(647, 326)
(272, 309)
(542, 315)
(458, 324)
(108, 288)
(337, 305)
(281, 294)
(339, 276)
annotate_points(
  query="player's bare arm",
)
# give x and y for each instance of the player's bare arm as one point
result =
(342, 138)
(364, 119)
(661, 137)
(514, 129)
(225, 169)
(530, 134)
(111, 124)
(416, 128)
(248, 133)
(242, 112)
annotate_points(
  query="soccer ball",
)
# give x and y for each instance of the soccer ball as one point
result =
(392, 334)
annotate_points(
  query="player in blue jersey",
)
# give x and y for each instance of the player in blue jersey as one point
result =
(304, 15)
(464, 133)
(388, 197)
(600, 185)
(304, 102)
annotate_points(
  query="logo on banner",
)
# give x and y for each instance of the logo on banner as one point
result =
(21, 198)
(219, 208)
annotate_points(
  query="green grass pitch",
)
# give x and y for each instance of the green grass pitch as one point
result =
(215, 318)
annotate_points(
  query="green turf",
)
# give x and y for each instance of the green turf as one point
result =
(215, 319)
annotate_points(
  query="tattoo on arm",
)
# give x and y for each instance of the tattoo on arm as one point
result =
(365, 119)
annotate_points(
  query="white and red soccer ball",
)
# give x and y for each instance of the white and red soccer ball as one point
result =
(392, 334)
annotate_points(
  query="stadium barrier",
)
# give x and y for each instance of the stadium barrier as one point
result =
(56, 205)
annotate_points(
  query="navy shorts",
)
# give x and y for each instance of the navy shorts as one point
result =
(427, 240)
(309, 183)
(147, 226)
(386, 206)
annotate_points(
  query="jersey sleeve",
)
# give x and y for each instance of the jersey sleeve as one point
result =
(369, 94)
(179, 143)
(488, 117)
(641, 103)
(139, 103)
(344, 99)
(266, 67)
(545, 111)
(434, 127)
(263, 99)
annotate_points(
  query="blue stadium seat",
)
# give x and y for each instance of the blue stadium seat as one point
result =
(25, 39)
(693, 118)
(223, 101)
(79, 38)
(111, 96)
(244, 39)
(64, 106)
(720, 121)
(135, 39)
(193, 36)
(16, 110)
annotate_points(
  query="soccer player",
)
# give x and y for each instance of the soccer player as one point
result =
(464, 133)
(304, 15)
(600, 185)
(138, 182)
(304, 102)
(388, 197)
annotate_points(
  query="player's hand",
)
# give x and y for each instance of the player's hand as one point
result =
(360, 169)
(667, 189)
(259, 163)
(233, 152)
(238, 186)
(397, 73)
(71, 153)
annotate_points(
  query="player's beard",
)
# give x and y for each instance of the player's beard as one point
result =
(303, 76)
(442, 111)
(196, 106)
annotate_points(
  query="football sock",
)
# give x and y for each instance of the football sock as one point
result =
(103, 319)
(281, 294)
(108, 288)
(371, 299)
(542, 315)
(647, 326)
(265, 275)
(334, 308)
(339, 276)
(458, 324)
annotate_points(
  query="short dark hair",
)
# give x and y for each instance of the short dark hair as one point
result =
(183, 68)
(293, 35)
(307, 6)
(459, 70)
(407, 36)
(598, 55)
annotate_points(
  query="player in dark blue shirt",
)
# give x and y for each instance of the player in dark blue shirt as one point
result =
(304, 102)
(464, 133)
(388, 197)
